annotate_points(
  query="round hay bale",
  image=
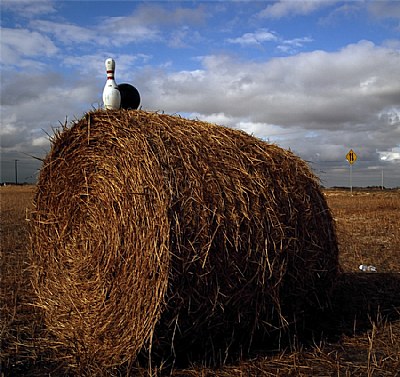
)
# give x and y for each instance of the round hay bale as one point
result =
(161, 235)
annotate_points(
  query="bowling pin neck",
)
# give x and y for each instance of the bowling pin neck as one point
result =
(110, 68)
(110, 75)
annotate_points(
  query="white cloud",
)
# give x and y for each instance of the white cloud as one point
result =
(26, 106)
(149, 23)
(292, 46)
(317, 103)
(346, 10)
(41, 141)
(123, 30)
(18, 44)
(391, 115)
(29, 8)
(156, 15)
(113, 31)
(7, 126)
(93, 65)
(284, 8)
(258, 37)
(216, 118)
(313, 90)
(184, 37)
(69, 34)
(384, 9)
(392, 156)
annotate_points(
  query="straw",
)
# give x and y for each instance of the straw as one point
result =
(162, 236)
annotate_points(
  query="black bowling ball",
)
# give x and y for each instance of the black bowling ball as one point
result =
(130, 97)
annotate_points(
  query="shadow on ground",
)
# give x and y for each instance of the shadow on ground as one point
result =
(358, 300)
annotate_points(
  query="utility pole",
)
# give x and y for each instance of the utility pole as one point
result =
(16, 171)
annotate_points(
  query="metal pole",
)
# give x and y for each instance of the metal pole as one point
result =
(382, 179)
(16, 171)
(351, 179)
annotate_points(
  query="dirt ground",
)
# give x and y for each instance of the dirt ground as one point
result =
(358, 336)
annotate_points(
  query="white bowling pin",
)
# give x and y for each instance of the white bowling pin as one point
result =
(111, 94)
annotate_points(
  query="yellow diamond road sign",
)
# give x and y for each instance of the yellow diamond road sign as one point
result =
(351, 157)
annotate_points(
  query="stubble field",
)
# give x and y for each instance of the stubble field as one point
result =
(358, 336)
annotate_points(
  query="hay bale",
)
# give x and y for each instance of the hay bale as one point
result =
(153, 233)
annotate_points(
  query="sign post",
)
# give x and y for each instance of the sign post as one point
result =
(351, 157)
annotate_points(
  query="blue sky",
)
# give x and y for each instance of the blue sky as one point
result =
(317, 77)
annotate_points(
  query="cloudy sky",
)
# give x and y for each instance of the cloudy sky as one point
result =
(317, 77)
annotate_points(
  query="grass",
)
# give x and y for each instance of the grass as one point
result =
(358, 336)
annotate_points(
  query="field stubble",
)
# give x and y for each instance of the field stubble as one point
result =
(358, 336)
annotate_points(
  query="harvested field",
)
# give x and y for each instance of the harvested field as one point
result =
(360, 336)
